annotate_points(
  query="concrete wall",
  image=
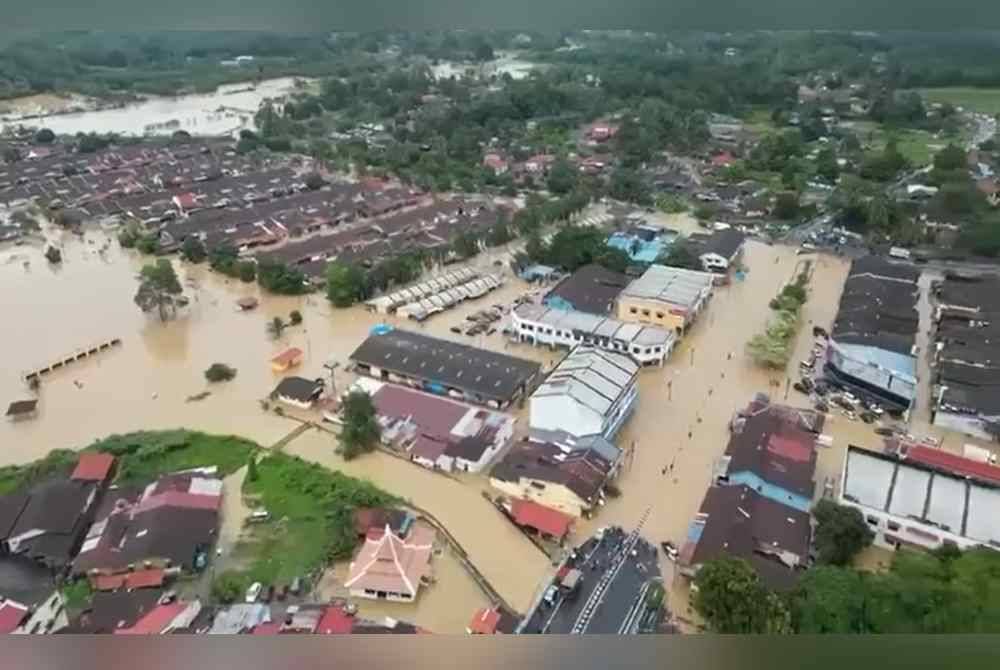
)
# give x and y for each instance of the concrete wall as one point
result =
(962, 423)
(551, 495)
(535, 333)
(906, 531)
(634, 310)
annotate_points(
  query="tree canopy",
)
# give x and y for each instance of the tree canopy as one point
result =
(841, 532)
(732, 599)
(360, 432)
(159, 288)
(345, 283)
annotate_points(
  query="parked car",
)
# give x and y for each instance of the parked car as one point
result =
(253, 592)
(551, 596)
(283, 592)
(296, 586)
(800, 387)
(822, 407)
(884, 431)
(259, 515)
(669, 549)
(868, 416)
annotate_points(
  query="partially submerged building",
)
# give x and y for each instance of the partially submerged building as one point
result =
(872, 343)
(967, 355)
(535, 324)
(915, 502)
(719, 251)
(445, 368)
(569, 480)
(299, 391)
(667, 297)
(388, 567)
(590, 393)
(437, 432)
(170, 523)
(758, 505)
(592, 289)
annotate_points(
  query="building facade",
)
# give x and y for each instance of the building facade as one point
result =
(666, 297)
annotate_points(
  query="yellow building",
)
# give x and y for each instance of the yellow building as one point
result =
(666, 297)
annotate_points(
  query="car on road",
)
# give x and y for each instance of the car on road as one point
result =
(253, 592)
(551, 596)
(669, 549)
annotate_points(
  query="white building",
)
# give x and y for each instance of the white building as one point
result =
(648, 345)
(590, 393)
(908, 503)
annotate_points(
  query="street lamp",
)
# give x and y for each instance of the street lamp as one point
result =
(331, 366)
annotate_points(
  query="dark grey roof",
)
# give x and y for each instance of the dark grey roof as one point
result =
(982, 293)
(484, 373)
(22, 407)
(881, 266)
(592, 288)
(724, 243)
(876, 311)
(742, 523)
(299, 388)
(59, 508)
(24, 580)
(119, 609)
(173, 533)
(583, 472)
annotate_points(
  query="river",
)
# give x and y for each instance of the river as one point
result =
(229, 108)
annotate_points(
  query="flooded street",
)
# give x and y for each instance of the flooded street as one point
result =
(228, 109)
(682, 415)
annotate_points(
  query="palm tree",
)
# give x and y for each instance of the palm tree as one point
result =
(276, 327)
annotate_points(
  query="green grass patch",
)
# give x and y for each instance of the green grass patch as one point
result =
(985, 100)
(759, 121)
(77, 594)
(16, 477)
(917, 146)
(311, 517)
(145, 455)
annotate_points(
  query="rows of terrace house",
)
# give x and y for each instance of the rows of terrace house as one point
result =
(274, 208)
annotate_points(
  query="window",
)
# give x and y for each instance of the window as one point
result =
(659, 315)
(872, 521)
(538, 485)
(633, 310)
(645, 312)
(892, 525)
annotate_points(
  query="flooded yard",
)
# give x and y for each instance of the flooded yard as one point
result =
(228, 109)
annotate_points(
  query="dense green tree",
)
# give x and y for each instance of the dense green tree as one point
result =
(220, 372)
(841, 532)
(295, 317)
(45, 136)
(276, 327)
(53, 255)
(680, 255)
(345, 284)
(829, 600)
(629, 186)
(193, 250)
(826, 165)
(465, 244)
(732, 599)
(280, 278)
(952, 157)
(786, 205)
(159, 288)
(360, 432)
(562, 178)
(314, 181)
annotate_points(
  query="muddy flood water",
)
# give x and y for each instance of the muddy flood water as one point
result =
(681, 419)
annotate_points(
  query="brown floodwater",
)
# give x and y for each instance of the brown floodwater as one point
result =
(681, 418)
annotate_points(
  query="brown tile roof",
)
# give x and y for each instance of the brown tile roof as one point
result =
(388, 563)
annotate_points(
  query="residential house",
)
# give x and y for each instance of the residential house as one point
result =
(539, 164)
(47, 522)
(164, 619)
(496, 163)
(719, 251)
(286, 360)
(592, 289)
(570, 481)
(495, 620)
(737, 521)
(667, 297)
(438, 432)
(591, 392)
(170, 523)
(772, 449)
(536, 518)
(299, 392)
(916, 503)
(388, 567)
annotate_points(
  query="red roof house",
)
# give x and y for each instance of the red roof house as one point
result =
(143, 579)
(335, 621)
(545, 520)
(93, 467)
(11, 615)
(288, 358)
(163, 619)
(484, 622)
(496, 163)
(724, 159)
